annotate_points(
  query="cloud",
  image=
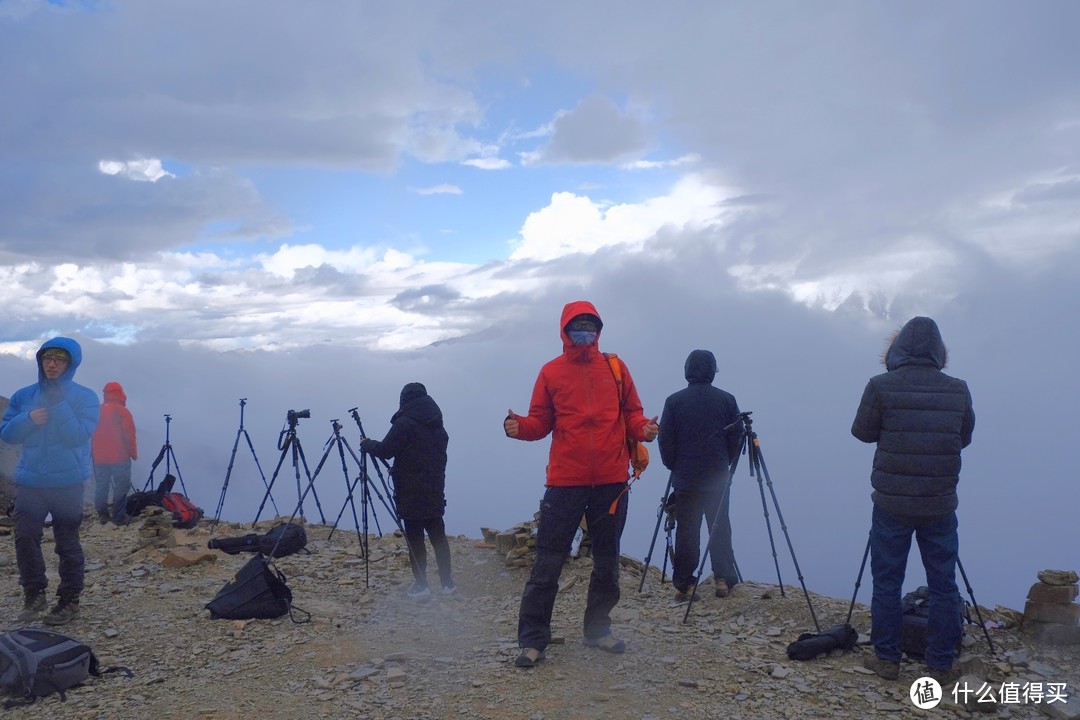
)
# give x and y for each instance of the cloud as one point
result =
(596, 131)
(142, 169)
(444, 189)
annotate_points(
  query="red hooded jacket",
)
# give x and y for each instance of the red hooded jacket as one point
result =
(576, 400)
(114, 439)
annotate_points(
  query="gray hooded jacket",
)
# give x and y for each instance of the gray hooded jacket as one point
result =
(920, 419)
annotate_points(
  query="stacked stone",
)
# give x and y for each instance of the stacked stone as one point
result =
(157, 528)
(517, 545)
(1050, 614)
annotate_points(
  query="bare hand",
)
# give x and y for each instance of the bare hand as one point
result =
(510, 424)
(40, 416)
(652, 429)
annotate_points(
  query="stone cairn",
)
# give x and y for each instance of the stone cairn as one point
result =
(157, 528)
(516, 546)
(1050, 615)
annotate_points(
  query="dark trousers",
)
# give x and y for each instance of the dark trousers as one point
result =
(890, 542)
(414, 536)
(560, 515)
(115, 478)
(32, 505)
(691, 507)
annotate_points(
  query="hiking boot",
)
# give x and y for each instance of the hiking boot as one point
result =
(722, 589)
(103, 518)
(607, 643)
(529, 657)
(34, 603)
(65, 611)
(682, 596)
(946, 677)
(418, 591)
(449, 589)
(886, 669)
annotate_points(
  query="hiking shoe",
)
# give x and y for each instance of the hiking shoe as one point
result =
(607, 643)
(65, 611)
(886, 669)
(529, 657)
(946, 677)
(722, 589)
(449, 589)
(34, 603)
(103, 518)
(682, 596)
(418, 591)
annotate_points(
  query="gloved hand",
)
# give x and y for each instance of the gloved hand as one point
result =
(366, 444)
(53, 393)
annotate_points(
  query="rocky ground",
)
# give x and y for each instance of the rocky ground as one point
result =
(371, 652)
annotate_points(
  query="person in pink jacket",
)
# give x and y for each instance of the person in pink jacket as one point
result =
(113, 448)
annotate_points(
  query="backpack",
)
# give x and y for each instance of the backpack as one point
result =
(35, 662)
(639, 454)
(186, 514)
(257, 591)
(915, 608)
(136, 501)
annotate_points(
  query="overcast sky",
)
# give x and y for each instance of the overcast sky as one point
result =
(309, 208)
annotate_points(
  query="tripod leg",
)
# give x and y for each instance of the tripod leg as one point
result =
(787, 535)
(225, 485)
(171, 454)
(725, 494)
(754, 466)
(978, 613)
(656, 532)
(261, 474)
(858, 582)
(281, 461)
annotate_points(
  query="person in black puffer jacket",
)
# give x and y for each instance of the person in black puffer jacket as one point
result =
(920, 419)
(698, 450)
(417, 442)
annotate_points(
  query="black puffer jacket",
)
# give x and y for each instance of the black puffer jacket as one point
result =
(920, 419)
(693, 442)
(417, 443)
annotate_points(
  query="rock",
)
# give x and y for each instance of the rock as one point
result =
(1046, 593)
(1051, 633)
(1059, 577)
(1064, 614)
(182, 557)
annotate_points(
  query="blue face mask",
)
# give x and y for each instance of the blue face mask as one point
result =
(582, 337)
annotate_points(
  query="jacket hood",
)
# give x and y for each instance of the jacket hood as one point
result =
(114, 393)
(918, 343)
(72, 349)
(700, 366)
(421, 408)
(410, 392)
(569, 312)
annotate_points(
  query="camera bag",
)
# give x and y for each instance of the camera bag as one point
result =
(257, 591)
(35, 662)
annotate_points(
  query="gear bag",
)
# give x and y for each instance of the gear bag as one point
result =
(257, 591)
(35, 662)
(186, 514)
(810, 645)
(913, 622)
(281, 540)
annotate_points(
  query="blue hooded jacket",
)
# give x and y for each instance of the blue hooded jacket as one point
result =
(57, 453)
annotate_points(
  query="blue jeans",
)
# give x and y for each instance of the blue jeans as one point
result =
(117, 478)
(691, 507)
(890, 542)
(32, 505)
(560, 515)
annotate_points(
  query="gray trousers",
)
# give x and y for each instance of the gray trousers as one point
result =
(32, 506)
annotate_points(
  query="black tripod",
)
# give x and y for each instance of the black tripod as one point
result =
(288, 443)
(751, 446)
(367, 487)
(165, 453)
(963, 574)
(668, 527)
(232, 459)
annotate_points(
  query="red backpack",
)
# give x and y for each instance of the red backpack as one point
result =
(186, 514)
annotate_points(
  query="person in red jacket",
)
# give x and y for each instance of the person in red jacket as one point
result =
(113, 448)
(577, 401)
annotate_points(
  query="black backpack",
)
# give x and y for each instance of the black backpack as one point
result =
(35, 662)
(915, 607)
(257, 591)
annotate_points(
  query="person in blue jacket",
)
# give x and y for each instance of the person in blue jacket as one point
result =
(53, 420)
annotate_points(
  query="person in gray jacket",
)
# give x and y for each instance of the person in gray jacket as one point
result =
(920, 419)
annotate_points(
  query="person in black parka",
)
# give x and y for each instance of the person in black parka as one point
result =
(920, 418)
(698, 450)
(417, 442)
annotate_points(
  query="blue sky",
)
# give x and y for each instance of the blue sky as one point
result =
(312, 207)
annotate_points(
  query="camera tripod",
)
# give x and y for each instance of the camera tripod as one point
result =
(367, 487)
(751, 446)
(232, 458)
(967, 585)
(165, 453)
(289, 443)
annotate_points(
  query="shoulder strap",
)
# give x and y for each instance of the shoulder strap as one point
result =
(616, 371)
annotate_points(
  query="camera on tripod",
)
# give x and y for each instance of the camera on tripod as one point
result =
(295, 415)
